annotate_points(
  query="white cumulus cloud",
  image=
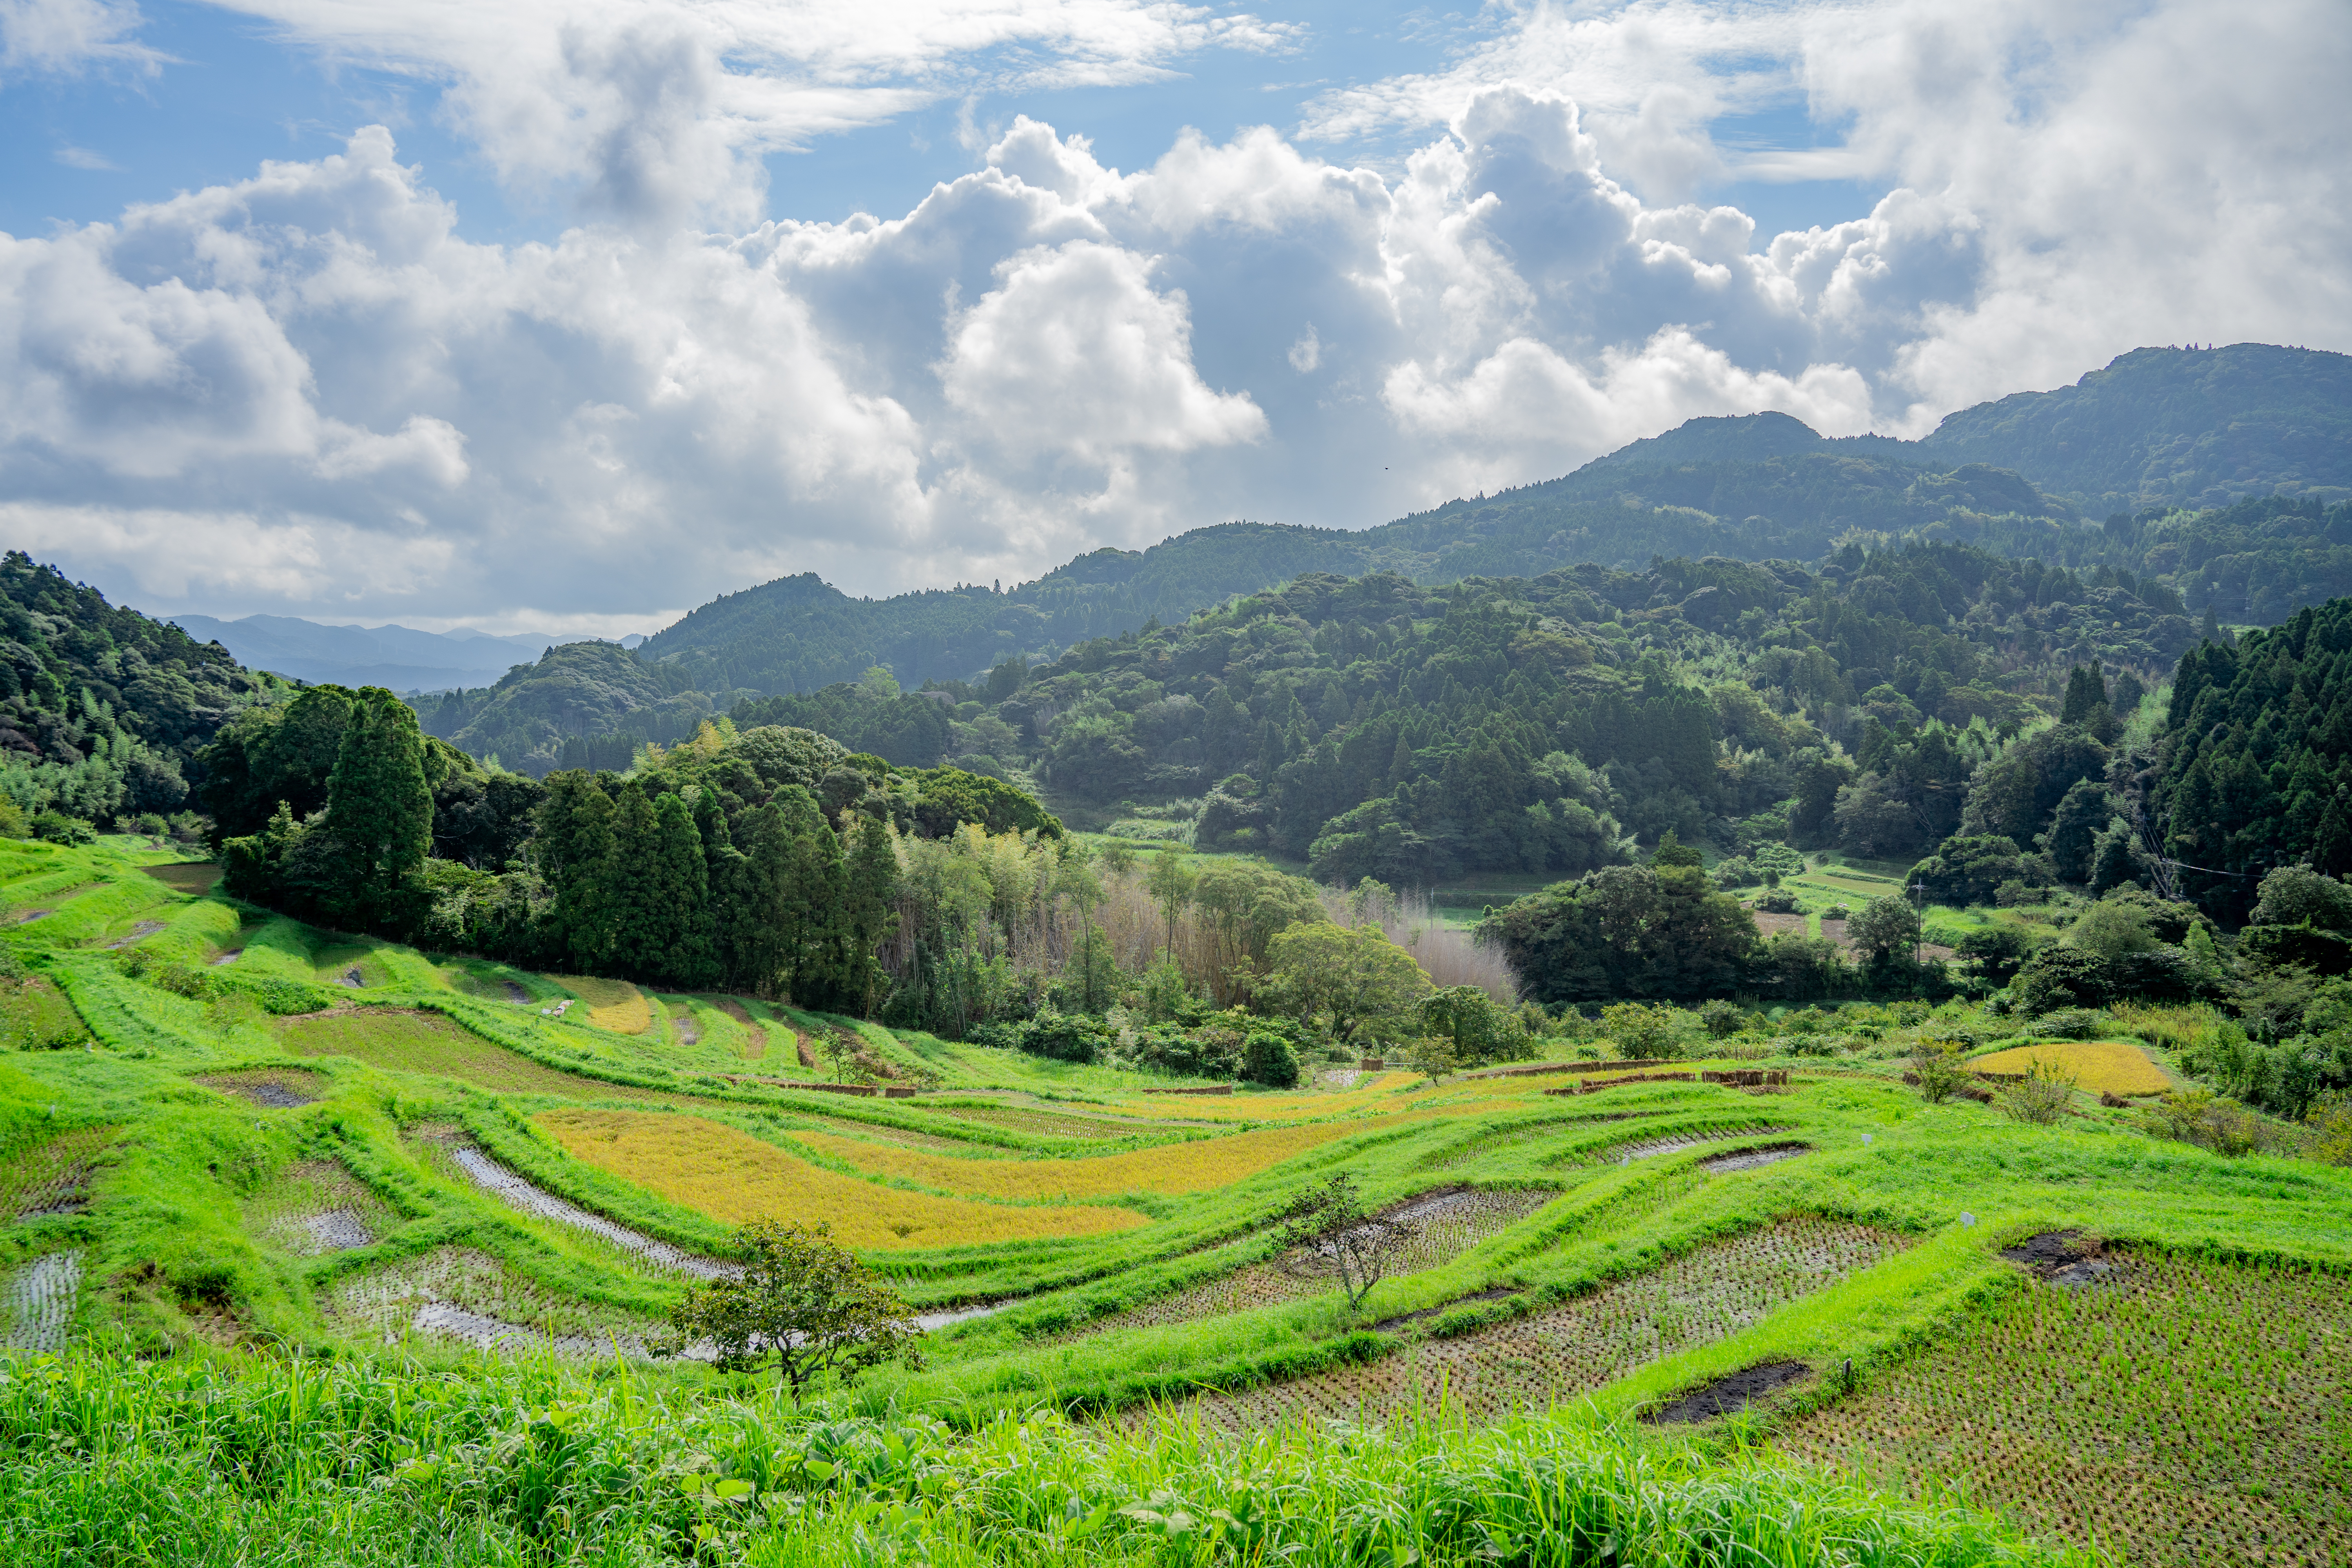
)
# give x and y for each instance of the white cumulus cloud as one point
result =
(309, 390)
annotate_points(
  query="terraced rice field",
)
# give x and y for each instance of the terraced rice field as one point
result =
(1624, 1151)
(1196, 1166)
(1484, 1144)
(317, 1206)
(401, 1041)
(732, 1176)
(2102, 1067)
(614, 1005)
(36, 1301)
(1047, 1124)
(461, 1294)
(518, 1194)
(51, 1176)
(2183, 1411)
(275, 1088)
(1448, 1224)
(1702, 1296)
(196, 877)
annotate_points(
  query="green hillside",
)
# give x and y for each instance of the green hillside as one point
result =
(2172, 428)
(2219, 474)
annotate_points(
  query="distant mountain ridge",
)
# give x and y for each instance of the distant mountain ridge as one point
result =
(2083, 476)
(397, 656)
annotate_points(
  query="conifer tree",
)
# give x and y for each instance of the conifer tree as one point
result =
(872, 876)
(682, 884)
(380, 809)
(575, 852)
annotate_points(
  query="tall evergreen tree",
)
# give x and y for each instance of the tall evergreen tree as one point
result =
(380, 809)
(575, 850)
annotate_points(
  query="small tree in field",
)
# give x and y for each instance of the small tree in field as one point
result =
(1641, 1030)
(1326, 1234)
(801, 1303)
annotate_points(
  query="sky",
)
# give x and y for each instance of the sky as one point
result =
(571, 315)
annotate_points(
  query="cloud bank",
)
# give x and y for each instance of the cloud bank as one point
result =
(308, 392)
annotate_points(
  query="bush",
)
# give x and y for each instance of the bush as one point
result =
(2060, 977)
(1777, 903)
(2330, 1121)
(1642, 1031)
(57, 827)
(1937, 1065)
(1272, 1062)
(2210, 1120)
(2068, 1024)
(2041, 1097)
(1720, 1018)
(1736, 872)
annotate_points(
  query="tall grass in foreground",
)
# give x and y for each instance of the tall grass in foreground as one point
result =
(204, 1461)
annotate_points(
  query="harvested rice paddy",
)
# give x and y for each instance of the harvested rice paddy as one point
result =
(274, 1088)
(518, 1194)
(1194, 1166)
(317, 1206)
(51, 1176)
(36, 1301)
(464, 1295)
(196, 877)
(1446, 1224)
(732, 1176)
(2180, 1411)
(1534, 1363)
(2100, 1066)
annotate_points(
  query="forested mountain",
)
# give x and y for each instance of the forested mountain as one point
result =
(2115, 472)
(2172, 428)
(101, 708)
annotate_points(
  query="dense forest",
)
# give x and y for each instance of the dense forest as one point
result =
(104, 710)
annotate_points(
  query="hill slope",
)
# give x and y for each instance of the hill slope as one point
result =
(101, 708)
(2155, 434)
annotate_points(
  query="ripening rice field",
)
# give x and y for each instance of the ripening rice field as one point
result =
(426, 1043)
(614, 1005)
(715, 1170)
(2102, 1067)
(1188, 1167)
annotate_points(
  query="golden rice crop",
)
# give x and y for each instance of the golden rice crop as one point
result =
(2103, 1066)
(614, 1005)
(731, 1175)
(1195, 1167)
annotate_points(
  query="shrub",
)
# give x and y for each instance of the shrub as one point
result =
(1777, 903)
(2210, 1120)
(2040, 1096)
(1720, 1018)
(2060, 977)
(1937, 1065)
(2330, 1121)
(57, 827)
(1641, 1030)
(2068, 1024)
(1736, 872)
(1272, 1062)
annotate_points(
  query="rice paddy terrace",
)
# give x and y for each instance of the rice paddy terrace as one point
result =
(224, 1129)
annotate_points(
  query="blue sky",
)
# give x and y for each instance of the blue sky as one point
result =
(544, 315)
(230, 90)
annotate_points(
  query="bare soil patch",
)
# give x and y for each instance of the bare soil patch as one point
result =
(1751, 1159)
(278, 1089)
(1727, 1396)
